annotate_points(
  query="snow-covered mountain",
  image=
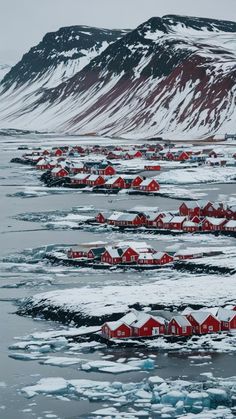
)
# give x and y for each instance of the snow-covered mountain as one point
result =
(173, 76)
(60, 55)
(55, 59)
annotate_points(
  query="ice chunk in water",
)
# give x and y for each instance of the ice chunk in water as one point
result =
(217, 396)
(144, 364)
(173, 397)
(109, 366)
(62, 361)
(197, 398)
(156, 380)
(52, 385)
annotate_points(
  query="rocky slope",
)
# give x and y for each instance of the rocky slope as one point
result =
(4, 69)
(174, 76)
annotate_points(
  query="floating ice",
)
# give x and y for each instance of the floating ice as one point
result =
(154, 395)
(55, 385)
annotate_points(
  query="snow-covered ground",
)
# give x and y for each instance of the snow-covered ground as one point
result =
(226, 260)
(176, 289)
(200, 174)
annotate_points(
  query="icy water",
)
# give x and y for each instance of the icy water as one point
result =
(21, 192)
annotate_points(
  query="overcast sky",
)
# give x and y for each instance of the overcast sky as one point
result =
(23, 23)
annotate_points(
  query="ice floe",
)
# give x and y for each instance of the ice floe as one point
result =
(212, 398)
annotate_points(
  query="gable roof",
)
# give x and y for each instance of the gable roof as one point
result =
(189, 224)
(225, 315)
(215, 221)
(142, 319)
(181, 320)
(146, 182)
(231, 223)
(113, 252)
(191, 204)
(116, 324)
(127, 217)
(57, 169)
(93, 178)
(112, 180)
(115, 215)
(178, 219)
(80, 176)
(201, 316)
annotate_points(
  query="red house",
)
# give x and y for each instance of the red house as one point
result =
(77, 252)
(102, 217)
(76, 168)
(96, 253)
(230, 212)
(190, 226)
(112, 155)
(133, 154)
(131, 220)
(112, 256)
(46, 153)
(58, 152)
(189, 209)
(130, 256)
(207, 209)
(105, 169)
(152, 167)
(59, 172)
(187, 254)
(152, 220)
(115, 182)
(148, 325)
(79, 179)
(169, 155)
(132, 181)
(184, 155)
(227, 319)
(213, 224)
(149, 185)
(95, 180)
(230, 225)
(176, 223)
(179, 326)
(116, 329)
(157, 258)
(164, 222)
(43, 165)
(162, 258)
(203, 322)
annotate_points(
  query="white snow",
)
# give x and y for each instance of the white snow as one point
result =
(116, 299)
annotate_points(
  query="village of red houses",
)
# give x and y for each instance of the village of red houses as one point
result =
(110, 168)
(138, 324)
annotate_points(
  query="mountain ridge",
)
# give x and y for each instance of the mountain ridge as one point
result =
(173, 75)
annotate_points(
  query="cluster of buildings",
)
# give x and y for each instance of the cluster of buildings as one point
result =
(131, 253)
(119, 182)
(191, 217)
(122, 253)
(70, 157)
(138, 324)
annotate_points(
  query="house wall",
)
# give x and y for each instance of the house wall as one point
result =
(210, 325)
(129, 256)
(178, 330)
(147, 328)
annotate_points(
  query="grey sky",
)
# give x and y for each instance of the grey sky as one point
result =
(24, 22)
